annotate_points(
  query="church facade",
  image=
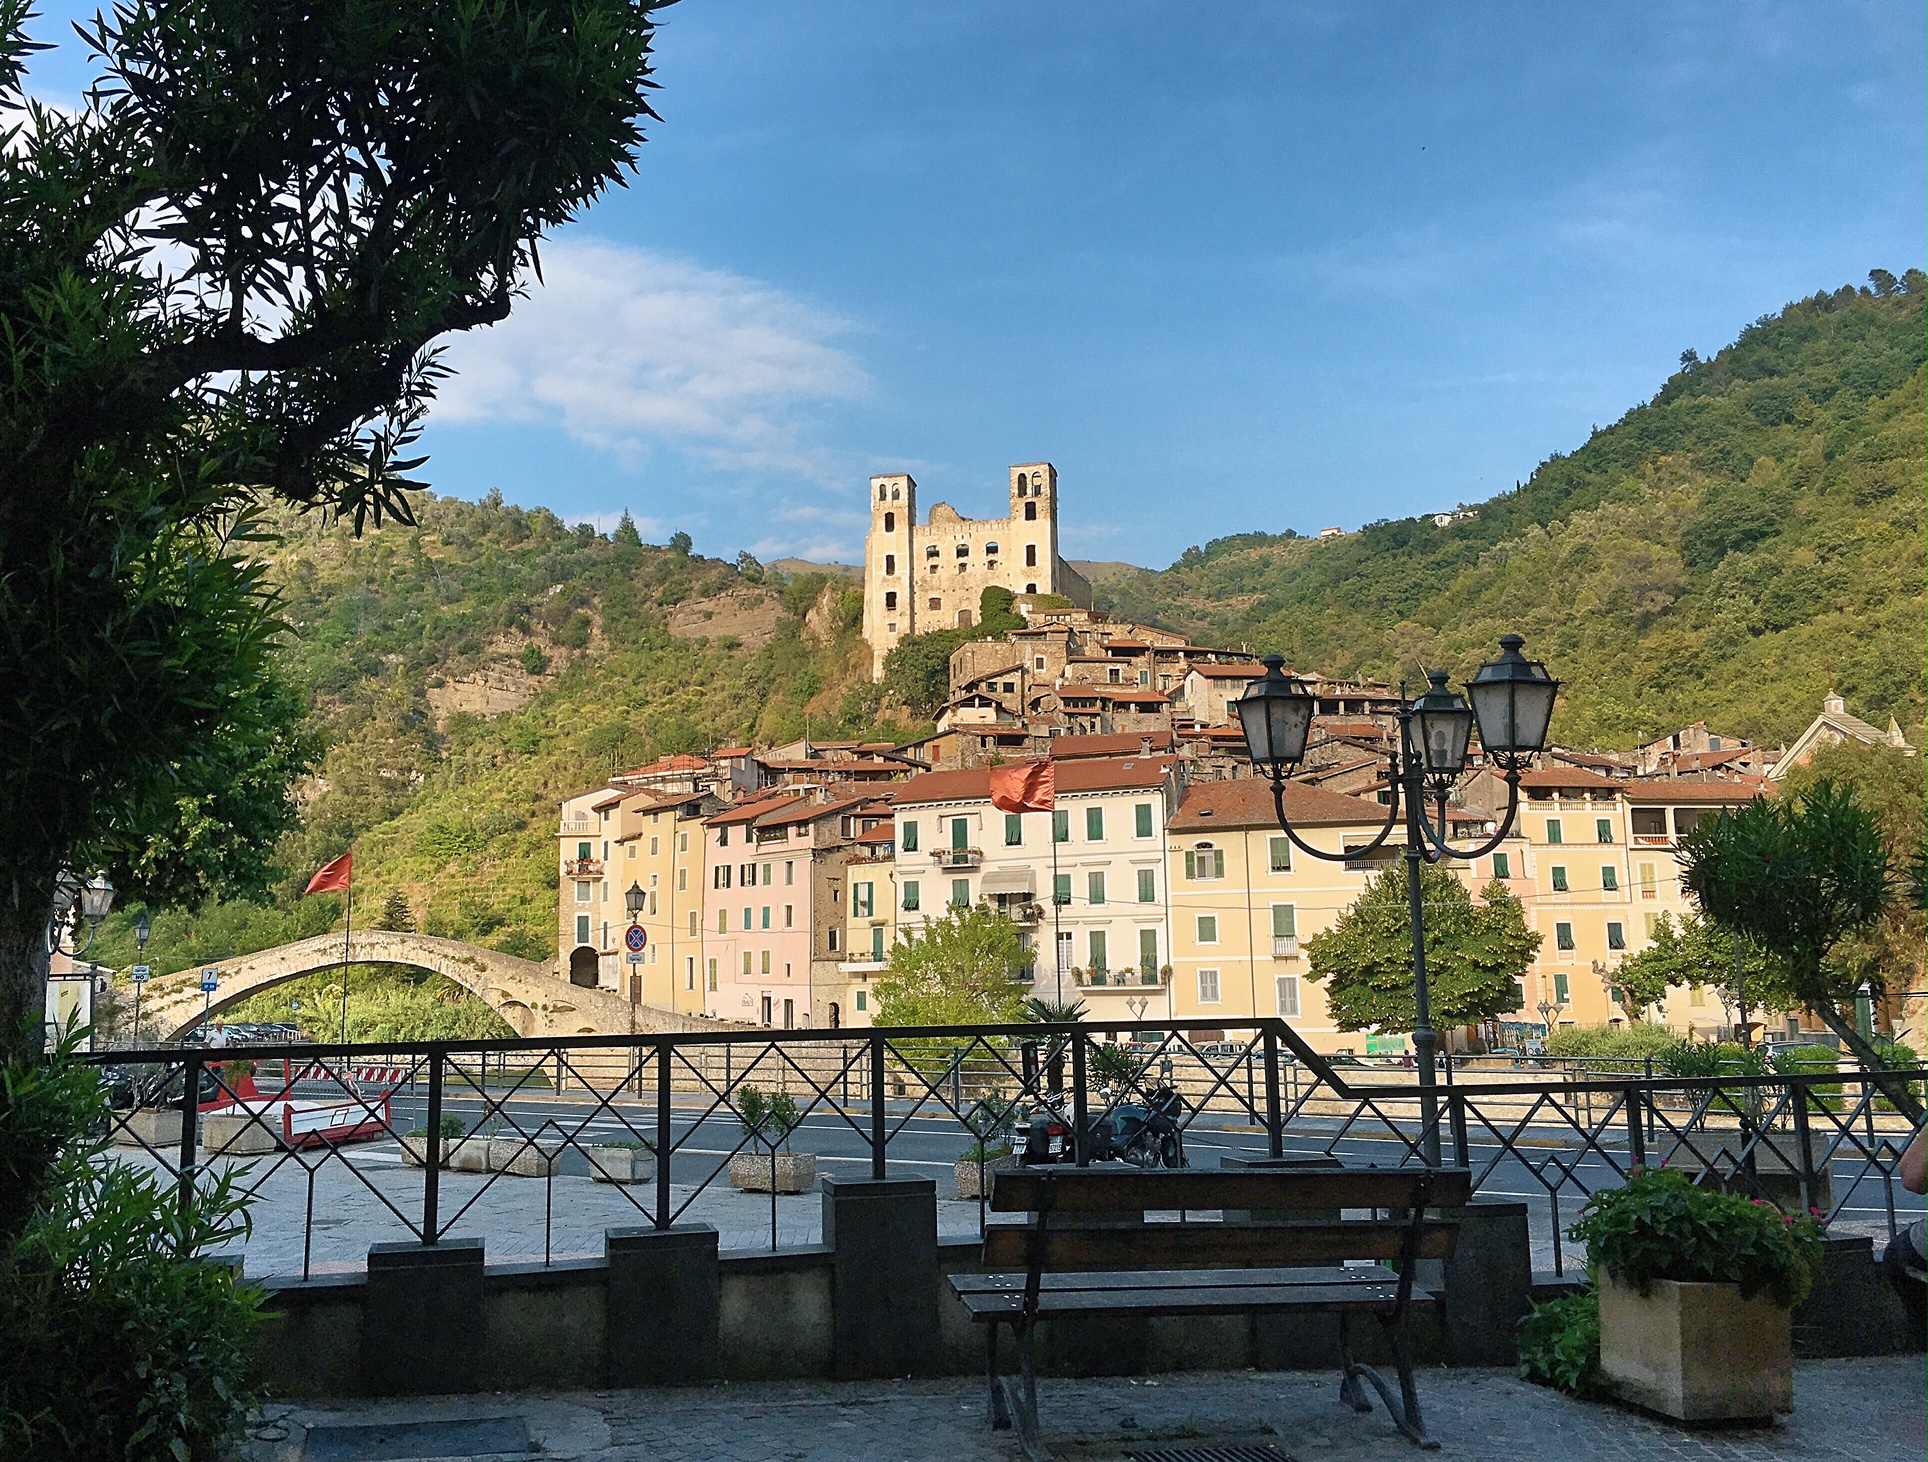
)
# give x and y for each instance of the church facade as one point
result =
(921, 577)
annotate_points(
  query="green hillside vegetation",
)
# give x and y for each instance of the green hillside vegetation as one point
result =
(1725, 551)
(455, 808)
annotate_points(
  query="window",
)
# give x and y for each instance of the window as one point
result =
(911, 894)
(1560, 992)
(963, 550)
(655, 846)
(765, 916)
(1094, 824)
(930, 550)
(1502, 866)
(832, 936)
(1603, 830)
(1559, 880)
(1013, 829)
(789, 916)
(1114, 674)
(1563, 936)
(584, 851)
(1697, 995)
(1651, 922)
(1609, 879)
(1205, 863)
(960, 834)
(990, 550)
(712, 976)
(1288, 987)
(960, 893)
(1037, 661)
(1285, 923)
(1030, 516)
(936, 603)
(1061, 889)
(907, 836)
(876, 945)
(1148, 952)
(1648, 884)
(789, 874)
(1208, 987)
(765, 962)
(1094, 888)
(1281, 851)
(748, 967)
(582, 928)
(722, 921)
(890, 563)
(890, 599)
(860, 999)
(1553, 829)
(769, 871)
(582, 892)
(1142, 824)
(1616, 935)
(863, 898)
(1061, 827)
(1100, 955)
(682, 880)
(1208, 928)
(1147, 886)
(682, 842)
(692, 923)
(722, 837)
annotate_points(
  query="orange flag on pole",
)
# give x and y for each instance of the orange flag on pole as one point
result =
(1030, 786)
(332, 877)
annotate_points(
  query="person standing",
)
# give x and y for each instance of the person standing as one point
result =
(1906, 1260)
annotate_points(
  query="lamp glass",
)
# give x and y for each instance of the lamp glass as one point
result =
(96, 898)
(1441, 727)
(1276, 715)
(1513, 701)
(633, 898)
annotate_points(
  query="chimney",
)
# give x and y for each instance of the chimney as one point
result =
(1144, 745)
(1834, 705)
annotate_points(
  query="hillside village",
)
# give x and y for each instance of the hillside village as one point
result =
(770, 883)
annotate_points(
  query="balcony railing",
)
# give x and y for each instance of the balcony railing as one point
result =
(582, 868)
(572, 825)
(957, 857)
(1026, 913)
(1285, 946)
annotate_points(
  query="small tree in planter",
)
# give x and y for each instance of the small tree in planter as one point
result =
(415, 1142)
(990, 1123)
(768, 1122)
(1695, 1290)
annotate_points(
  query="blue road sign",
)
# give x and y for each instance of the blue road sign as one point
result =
(210, 978)
(635, 937)
(141, 972)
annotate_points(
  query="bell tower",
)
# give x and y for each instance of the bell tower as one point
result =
(1034, 528)
(889, 603)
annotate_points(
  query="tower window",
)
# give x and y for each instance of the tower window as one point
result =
(890, 599)
(894, 494)
(882, 493)
(890, 522)
(1032, 589)
(963, 550)
(930, 550)
(1023, 483)
(936, 603)
(1030, 555)
(1030, 512)
(990, 550)
(890, 563)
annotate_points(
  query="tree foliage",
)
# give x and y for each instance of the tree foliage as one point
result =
(221, 280)
(968, 968)
(1698, 951)
(1476, 953)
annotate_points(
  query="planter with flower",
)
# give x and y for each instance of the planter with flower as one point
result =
(1695, 1289)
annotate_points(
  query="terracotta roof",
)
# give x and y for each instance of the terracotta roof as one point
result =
(734, 751)
(665, 801)
(611, 801)
(1249, 671)
(884, 832)
(1247, 802)
(1123, 743)
(1098, 774)
(1126, 645)
(749, 811)
(1577, 777)
(1674, 790)
(806, 812)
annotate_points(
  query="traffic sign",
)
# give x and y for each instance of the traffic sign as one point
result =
(635, 957)
(635, 936)
(210, 979)
(141, 972)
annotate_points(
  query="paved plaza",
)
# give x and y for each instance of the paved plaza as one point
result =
(1869, 1410)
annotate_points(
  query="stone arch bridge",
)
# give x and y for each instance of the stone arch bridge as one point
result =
(529, 996)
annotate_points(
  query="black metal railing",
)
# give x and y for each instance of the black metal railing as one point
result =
(475, 1117)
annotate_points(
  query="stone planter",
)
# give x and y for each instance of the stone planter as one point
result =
(158, 1127)
(622, 1164)
(224, 1135)
(1696, 1352)
(468, 1155)
(796, 1172)
(967, 1175)
(522, 1158)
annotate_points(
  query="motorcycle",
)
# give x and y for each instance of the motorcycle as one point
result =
(1145, 1134)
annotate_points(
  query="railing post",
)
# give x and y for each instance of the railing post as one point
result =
(664, 1138)
(1636, 1132)
(877, 1108)
(1080, 1148)
(432, 1154)
(1804, 1145)
(1456, 1114)
(190, 1127)
(1274, 1117)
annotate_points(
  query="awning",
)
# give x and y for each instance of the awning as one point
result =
(1008, 880)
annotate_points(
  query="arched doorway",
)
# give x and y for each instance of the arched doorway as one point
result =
(963, 619)
(585, 967)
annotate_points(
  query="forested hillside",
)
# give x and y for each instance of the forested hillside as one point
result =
(1725, 551)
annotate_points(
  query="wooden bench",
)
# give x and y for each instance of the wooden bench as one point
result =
(1282, 1251)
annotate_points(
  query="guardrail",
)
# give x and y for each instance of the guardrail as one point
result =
(568, 1108)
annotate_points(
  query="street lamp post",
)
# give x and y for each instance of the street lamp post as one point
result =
(1511, 702)
(142, 928)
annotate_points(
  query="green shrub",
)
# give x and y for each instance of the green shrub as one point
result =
(453, 1128)
(1560, 1346)
(115, 1345)
(1631, 1044)
(766, 1119)
(1661, 1226)
(1810, 1061)
(985, 1152)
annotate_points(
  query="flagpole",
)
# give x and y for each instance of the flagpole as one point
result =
(347, 932)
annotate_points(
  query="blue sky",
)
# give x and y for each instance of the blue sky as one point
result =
(1228, 266)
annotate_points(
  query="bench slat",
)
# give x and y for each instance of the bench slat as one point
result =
(1259, 1299)
(1155, 1279)
(1108, 1190)
(1205, 1245)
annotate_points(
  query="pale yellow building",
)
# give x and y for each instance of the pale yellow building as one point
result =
(871, 927)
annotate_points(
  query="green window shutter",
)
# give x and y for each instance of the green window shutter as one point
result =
(1560, 991)
(1553, 829)
(908, 841)
(1285, 921)
(1013, 829)
(1502, 866)
(1148, 952)
(1061, 888)
(1559, 880)
(582, 928)
(1603, 829)
(722, 921)
(1099, 957)
(1095, 888)
(1094, 824)
(911, 895)
(582, 850)
(1061, 827)
(1281, 850)
(876, 949)
(860, 1000)
(1208, 929)
(1191, 867)
(1218, 863)
(1563, 938)
(960, 834)
(1143, 813)
(1147, 886)
(1610, 879)
(960, 893)
(1616, 935)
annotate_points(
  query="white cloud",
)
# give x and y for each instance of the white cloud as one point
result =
(625, 349)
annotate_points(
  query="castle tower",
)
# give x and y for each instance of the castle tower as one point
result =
(890, 610)
(1034, 528)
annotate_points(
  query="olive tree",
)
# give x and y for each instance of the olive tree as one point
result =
(221, 281)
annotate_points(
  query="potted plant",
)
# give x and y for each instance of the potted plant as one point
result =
(768, 1122)
(1695, 1289)
(622, 1162)
(415, 1143)
(979, 1164)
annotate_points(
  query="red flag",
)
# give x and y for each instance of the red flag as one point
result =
(1030, 786)
(333, 876)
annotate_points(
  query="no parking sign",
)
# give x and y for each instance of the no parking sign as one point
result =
(635, 939)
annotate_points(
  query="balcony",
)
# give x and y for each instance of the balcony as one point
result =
(958, 857)
(582, 868)
(572, 826)
(1284, 947)
(1026, 913)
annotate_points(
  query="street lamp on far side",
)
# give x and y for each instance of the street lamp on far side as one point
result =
(633, 901)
